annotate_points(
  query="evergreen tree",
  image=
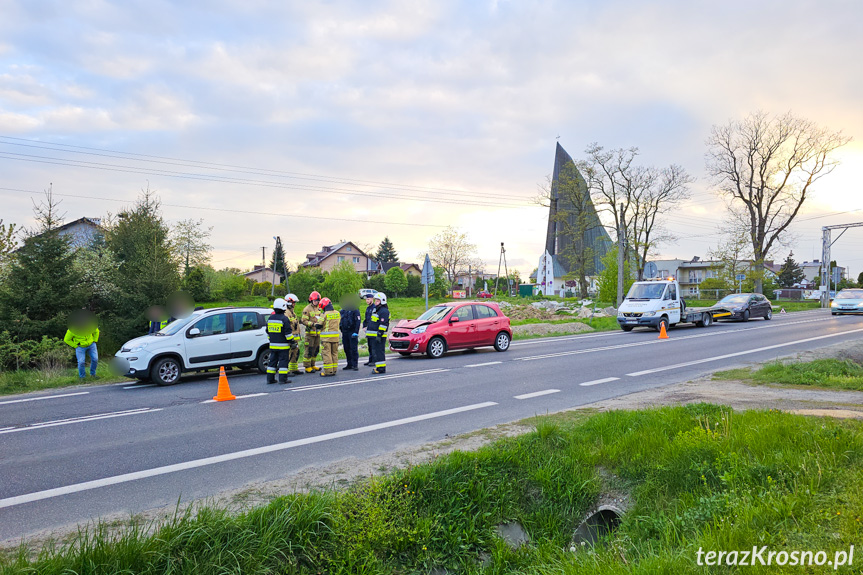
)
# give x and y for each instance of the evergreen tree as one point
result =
(791, 273)
(42, 288)
(386, 253)
(148, 268)
(860, 279)
(277, 261)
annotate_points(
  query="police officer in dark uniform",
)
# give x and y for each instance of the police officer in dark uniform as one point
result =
(279, 331)
(349, 325)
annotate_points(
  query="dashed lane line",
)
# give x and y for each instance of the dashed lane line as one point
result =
(238, 397)
(536, 394)
(483, 364)
(740, 353)
(598, 381)
(368, 379)
(26, 399)
(196, 463)
(84, 419)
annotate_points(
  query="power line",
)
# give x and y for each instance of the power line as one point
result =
(234, 168)
(236, 211)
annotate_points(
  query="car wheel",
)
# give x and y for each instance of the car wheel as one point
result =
(501, 342)
(263, 360)
(769, 314)
(626, 327)
(404, 353)
(436, 348)
(746, 315)
(166, 371)
(663, 321)
(706, 320)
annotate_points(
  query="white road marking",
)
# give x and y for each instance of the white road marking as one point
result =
(739, 353)
(139, 386)
(83, 419)
(598, 381)
(238, 397)
(536, 393)
(657, 341)
(43, 397)
(484, 364)
(196, 463)
(368, 379)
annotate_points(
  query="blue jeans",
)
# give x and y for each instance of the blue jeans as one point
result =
(81, 355)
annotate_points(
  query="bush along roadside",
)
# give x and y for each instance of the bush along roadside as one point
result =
(694, 478)
(827, 373)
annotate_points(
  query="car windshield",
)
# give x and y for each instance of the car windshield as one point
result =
(176, 325)
(850, 294)
(735, 298)
(435, 313)
(646, 291)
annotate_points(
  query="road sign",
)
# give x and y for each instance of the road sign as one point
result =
(651, 270)
(837, 275)
(428, 272)
(740, 277)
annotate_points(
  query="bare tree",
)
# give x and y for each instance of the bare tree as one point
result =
(634, 196)
(191, 243)
(733, 251)
(47, 213)
(452, 250)
(765, 166)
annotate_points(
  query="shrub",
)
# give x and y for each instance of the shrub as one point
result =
(415, 287)
(304, 281)
(395, 281)
(49, 352)
(263, 289)
(343, 280)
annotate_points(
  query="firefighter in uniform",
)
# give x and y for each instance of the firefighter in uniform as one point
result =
(279, 331)
(370, 335)
(294, 355)
(312, 319)
(379, 324)
(330, 338)
(350, 328)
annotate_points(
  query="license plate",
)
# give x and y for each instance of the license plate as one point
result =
(631, 320)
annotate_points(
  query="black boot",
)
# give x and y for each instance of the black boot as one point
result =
(271, 379)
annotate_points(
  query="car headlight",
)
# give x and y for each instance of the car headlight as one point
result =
(648, 313)
(139, 347)
(834, 304)
(860, 304)
(420, 329)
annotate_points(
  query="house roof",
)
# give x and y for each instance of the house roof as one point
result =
(259, 269)
(316, 258)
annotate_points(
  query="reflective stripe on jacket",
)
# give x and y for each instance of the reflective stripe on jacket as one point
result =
(310, 319)
(279, 331)
(331, 326)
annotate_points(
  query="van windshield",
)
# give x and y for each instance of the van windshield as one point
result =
(435, 313)
(646, 291)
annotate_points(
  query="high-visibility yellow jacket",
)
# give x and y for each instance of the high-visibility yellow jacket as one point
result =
(331, 325)
(75, 338)
(311, 318)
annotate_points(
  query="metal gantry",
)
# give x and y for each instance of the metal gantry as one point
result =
(826, 244)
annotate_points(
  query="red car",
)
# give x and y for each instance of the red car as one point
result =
(453, 325)
(485, 294)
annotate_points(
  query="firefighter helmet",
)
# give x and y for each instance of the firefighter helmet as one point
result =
(382, 297)
(324, 303)
(314, 296)
(280, 304)
(291, 299)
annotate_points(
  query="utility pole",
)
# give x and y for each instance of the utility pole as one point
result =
(469, 281)
(502, 260)
(263, 259)
(826, 244)
(621, 240)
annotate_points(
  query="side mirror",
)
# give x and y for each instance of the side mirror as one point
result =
(453, 319)
(194, 332)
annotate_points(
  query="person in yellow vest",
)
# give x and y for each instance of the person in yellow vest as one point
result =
(330, 338)
(82, 335)
(312, 320)
(294, 357)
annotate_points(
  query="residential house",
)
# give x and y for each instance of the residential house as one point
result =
(330, 256)
(263, 274)
(82, 232)
(408, 269)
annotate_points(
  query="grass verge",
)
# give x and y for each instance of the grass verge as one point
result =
(27, 380)
(698, 476)
(828, 373)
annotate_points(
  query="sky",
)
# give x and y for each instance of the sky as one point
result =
(328, 121)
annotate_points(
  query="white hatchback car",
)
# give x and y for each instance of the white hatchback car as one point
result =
(207, 339)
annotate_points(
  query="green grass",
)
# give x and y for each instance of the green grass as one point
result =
(27, 380)
(698, 476)
(827, 373)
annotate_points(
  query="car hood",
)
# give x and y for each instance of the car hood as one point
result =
(846, 301)
(412, 323)
(148, 339)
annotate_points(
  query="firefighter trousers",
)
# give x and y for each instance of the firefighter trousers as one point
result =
(330, 353)
(294, 357)
(379, 359)
(278, 362)
(313, 346)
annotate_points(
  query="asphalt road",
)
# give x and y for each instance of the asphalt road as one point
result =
(74, 455)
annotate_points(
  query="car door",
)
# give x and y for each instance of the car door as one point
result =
(671, 303)
(461, 333)
(247, 335)
(207, 342)
(487, 322)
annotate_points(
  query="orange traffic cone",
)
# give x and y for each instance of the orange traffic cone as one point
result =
(662, 332)
(224, 393)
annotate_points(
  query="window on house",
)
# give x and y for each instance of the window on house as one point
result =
(340, 258)
(356, 259)
(347, 249)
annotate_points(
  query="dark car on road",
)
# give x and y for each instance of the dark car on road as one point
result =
(744, 306)
(455, 325)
